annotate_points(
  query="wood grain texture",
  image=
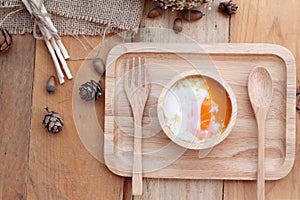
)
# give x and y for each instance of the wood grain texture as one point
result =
(60, 166)
(260, 90)
(236, 156)
(182, 189)
(137, 91)
(214, 27)
(274, 22)
(16, 78)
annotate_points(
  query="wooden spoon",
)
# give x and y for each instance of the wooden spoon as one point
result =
(260, 91)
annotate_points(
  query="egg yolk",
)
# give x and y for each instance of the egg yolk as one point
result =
(205, 114)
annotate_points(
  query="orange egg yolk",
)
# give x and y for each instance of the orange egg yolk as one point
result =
(205, 114)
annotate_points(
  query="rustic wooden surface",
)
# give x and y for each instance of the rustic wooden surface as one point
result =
(16, 78)
(212, 28)
(37, 165)
(273, 22)
(74, 172)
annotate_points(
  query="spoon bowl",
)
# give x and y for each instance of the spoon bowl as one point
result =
(260, 87)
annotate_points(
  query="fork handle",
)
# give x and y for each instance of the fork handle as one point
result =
(137, 183)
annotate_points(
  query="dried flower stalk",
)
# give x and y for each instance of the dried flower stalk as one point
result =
(53, 42)
(179, 4)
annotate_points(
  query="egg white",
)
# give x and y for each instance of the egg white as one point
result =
(182, 109)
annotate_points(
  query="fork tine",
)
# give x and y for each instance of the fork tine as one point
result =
(128, 74)
(140, 75)
(127, 65)
(134, 80)
(144, 73)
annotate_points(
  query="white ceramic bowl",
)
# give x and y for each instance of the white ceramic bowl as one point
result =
(177, 134)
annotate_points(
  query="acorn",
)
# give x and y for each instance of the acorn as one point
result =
(50, 87)
(99, 65)
(177, 25)
(155, 12)
(192, 15)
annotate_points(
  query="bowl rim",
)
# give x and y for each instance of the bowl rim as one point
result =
(206, 144)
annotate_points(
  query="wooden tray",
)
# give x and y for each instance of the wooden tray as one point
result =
(236, 156)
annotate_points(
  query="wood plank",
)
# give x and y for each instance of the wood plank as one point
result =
(16, 78)
(278, 22)
(64, 166)
(214, 27)
(182, 189)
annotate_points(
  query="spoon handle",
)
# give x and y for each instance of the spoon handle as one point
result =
(261, 120)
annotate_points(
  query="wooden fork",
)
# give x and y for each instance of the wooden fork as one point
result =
(137, 90)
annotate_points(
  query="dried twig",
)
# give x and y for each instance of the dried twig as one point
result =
(53, 42)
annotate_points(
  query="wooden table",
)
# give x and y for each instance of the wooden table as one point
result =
(38, 165)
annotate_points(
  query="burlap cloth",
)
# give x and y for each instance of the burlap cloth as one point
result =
(76, 17)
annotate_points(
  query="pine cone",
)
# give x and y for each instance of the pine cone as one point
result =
(90, 90)
(228, 7)
(53, 121)
(5, 40)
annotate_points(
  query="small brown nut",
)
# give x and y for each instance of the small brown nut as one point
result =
(177, 26)
(51, 87)
(99, 65)
(155, 12)
(192, 15)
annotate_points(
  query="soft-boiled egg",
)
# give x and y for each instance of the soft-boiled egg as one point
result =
(190, 109)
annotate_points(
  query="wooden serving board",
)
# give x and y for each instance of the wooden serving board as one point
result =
(236, 156)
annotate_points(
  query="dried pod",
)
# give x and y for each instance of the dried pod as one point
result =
(192, 15)
(53, 121)
(177, 26)
(298, 101)
(99, 65)
(228, 7)
(90, 90)
(5, 40)
(155, 12)
(51, 86)
(179, 4)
